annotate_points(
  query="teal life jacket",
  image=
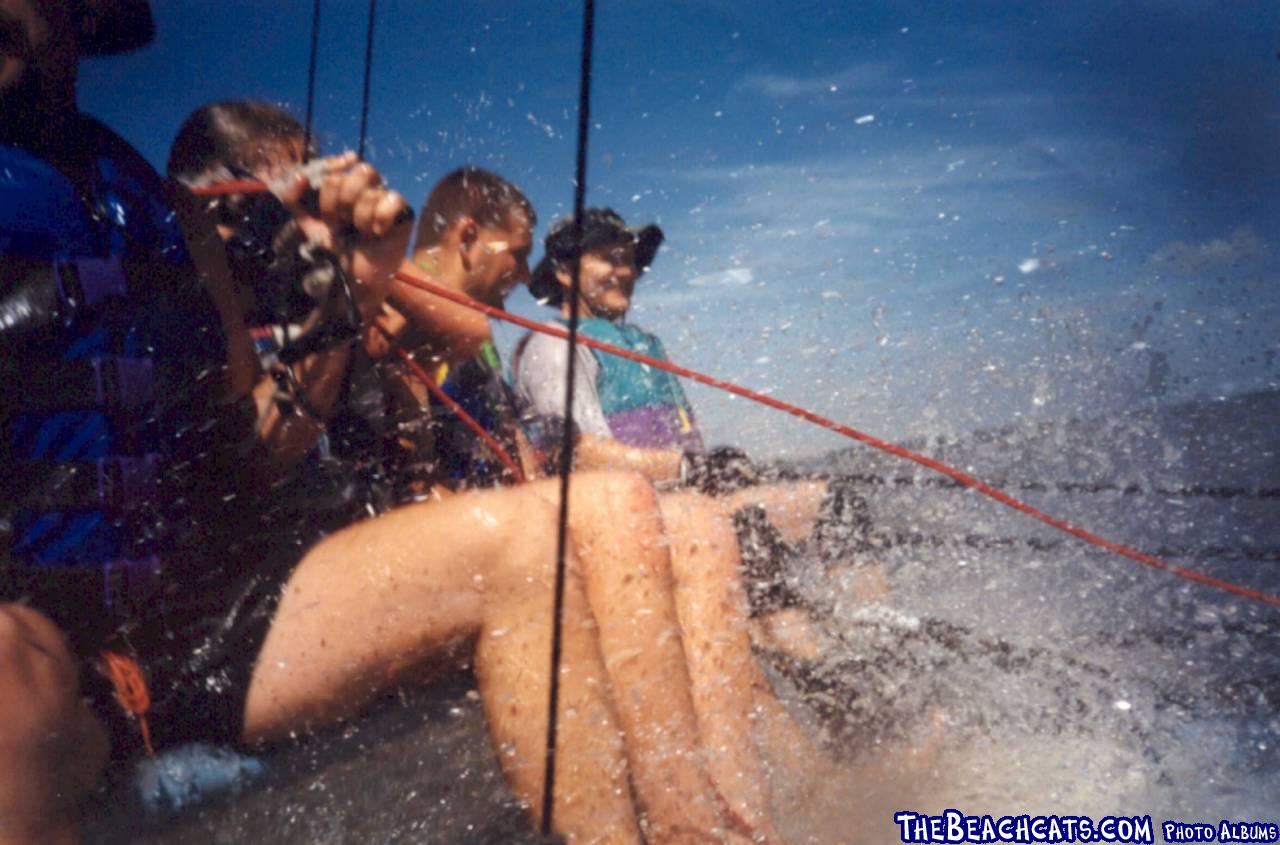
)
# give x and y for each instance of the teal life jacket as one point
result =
(645, 406)
(110, 350)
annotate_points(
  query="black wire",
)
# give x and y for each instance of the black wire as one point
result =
(311, 80)
(566, 443)
(368, 68)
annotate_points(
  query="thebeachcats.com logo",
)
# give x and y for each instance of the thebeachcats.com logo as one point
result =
(954, 826)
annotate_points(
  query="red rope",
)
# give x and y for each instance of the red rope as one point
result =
(852, 433)
(448, 401)
(236, 186)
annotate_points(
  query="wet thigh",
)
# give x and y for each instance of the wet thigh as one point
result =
(378, 597)
(51, 747)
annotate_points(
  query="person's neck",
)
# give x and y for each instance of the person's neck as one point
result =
(585, 312)
(432, 261)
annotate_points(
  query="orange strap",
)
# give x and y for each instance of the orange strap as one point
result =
(131, 691)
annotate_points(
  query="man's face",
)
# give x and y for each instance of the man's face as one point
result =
(500, 260)
(37, 41)
(607, 275)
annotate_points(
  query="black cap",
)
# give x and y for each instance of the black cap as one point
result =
(600, 226)
(108, 27)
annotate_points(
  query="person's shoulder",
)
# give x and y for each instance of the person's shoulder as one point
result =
(641, 336)
(543, 344)
(540, 356)
(40, 210)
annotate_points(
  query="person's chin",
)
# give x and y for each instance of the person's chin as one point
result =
(11, 68)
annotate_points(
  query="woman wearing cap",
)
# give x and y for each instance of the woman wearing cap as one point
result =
(615, 399)
(630, 415)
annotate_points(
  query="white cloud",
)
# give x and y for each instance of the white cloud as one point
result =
(863, 76)
(1243, 247)
(732, 277)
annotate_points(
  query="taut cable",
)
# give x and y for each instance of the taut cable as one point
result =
(566, 443)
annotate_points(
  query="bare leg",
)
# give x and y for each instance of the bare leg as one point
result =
(792, 506)
(513, 666)
(616, 517)
(728, 685)
(395, 590)
(52, 750)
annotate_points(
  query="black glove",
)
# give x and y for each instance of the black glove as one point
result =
(724, 469)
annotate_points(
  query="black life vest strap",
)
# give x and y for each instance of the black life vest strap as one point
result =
(114, 483)
(85, 282)
(110, 383)
(129, 582)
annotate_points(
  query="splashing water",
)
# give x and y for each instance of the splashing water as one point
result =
(1040, 676)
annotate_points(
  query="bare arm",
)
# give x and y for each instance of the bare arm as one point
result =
(440, 328)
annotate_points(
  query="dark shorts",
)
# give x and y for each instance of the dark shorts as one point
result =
(196, 644)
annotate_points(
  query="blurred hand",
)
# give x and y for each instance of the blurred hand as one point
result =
(380, 336)
(364, 222)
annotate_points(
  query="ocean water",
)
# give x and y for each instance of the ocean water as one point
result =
(1043, 676)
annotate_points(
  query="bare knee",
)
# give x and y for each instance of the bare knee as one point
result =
(33, 654)
(620, 500)
(622, 486)
(699, 519)
(51, 748)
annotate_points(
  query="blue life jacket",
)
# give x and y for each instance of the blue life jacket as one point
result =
(110, 348)
(644, 406)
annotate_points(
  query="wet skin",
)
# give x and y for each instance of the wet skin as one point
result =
(607, 279)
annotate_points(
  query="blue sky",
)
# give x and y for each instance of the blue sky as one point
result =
(915, 217)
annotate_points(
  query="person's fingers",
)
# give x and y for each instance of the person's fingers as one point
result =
(392, 320)
(364, 211)
(293, 191)
(343, 161)
(330, 195)
(355, 182)
(391, 211)
(332, 184)
(35, 649)
(375, 342)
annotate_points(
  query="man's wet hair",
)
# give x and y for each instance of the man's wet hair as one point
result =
(268, 252)
(473, 192)
(240, 133)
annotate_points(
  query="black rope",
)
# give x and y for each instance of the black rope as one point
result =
(1186, 491)
(368, 68)
(311, 81)
(566, 443)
